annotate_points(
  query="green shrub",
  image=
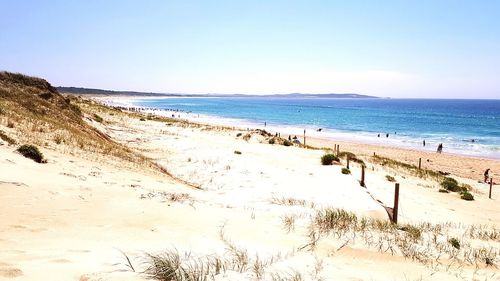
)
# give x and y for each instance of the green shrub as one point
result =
(346, 171)
(327, 159)
(390, 178)
(237, 152)
(442, 190)
(32, 152)
(142, 119)
(272, 141)
(238, 135)
(454, 243)
(413, 231)
(287, 143)
(6, 138)
(467, 196)
(98, 118)
(450, 184)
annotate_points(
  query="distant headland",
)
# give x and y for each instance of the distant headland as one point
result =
(89, 91)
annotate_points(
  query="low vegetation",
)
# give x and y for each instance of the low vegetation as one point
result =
(455, 243)
(6, 138)
(390, 178)
(98, 118)
(351, 156)
(287, 143)
(412, 169)
(288, 201)
(450, 184)
(36, 112)
(31, 152)
(328, 159)
(467, 196)
(237, 152)
(174, 266)
(425, 243)
(346, 171)
(247, 137)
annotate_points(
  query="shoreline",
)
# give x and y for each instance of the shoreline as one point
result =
(465, 148)
(447, 162)
(404, 142)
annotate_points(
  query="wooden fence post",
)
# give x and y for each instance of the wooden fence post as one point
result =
(419, 163)
(362, 175)
(491, 186)
(348, 162)
(304, 137)
(396, 204)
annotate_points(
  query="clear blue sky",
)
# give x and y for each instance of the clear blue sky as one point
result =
(448, 49)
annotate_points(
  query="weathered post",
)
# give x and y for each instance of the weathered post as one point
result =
(347, 161)
(491, 186)
(396, 203)
(304, 137)
(362, 183)
(419, 163)
(374, 153)
(338, 149)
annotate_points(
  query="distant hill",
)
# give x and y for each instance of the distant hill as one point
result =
(87, 91)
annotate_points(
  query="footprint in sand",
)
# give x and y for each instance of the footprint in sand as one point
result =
(13, 183)
(82, 178)
(10, 272)
(18, 226)
(96, 174)
(60, 261)
(78, 251)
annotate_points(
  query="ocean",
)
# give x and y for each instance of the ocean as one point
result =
(468, 127)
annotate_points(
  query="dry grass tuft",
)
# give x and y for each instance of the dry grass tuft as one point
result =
(426, 243)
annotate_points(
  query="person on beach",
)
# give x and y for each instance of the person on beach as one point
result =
(386, 135)
(424, 142)
(440, 148)
(486, 175)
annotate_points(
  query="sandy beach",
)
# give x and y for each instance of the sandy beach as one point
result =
(229, 191)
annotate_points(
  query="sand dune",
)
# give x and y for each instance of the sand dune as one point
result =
(71, 218)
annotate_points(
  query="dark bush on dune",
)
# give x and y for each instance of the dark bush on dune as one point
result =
(454, 243)
(450, 184)
(98, 118)
(346, 171)
(287, 143)
(32, 152)
(328, 159)
(467, 196)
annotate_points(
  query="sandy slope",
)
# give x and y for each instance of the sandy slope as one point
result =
(70, 218)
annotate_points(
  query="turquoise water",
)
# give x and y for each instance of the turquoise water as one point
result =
(455, 123)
